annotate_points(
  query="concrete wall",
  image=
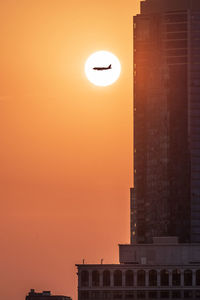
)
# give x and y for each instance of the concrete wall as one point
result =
(160, 254)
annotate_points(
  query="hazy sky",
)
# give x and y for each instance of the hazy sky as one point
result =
(66, 145)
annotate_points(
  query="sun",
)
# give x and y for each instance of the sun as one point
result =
(102, 68)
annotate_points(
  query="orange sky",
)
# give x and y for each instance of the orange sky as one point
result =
(66, 145)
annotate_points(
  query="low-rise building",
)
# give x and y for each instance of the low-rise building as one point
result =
(45, 295)
(164, 269)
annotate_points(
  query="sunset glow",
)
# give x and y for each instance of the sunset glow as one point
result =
(102, 68)
(66, 144)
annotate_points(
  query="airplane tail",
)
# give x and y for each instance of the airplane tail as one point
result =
(109, 66)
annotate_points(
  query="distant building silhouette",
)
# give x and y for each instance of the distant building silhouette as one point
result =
(45, 295)
(163, 259)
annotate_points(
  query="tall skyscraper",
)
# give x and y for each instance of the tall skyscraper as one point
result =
(166, 195)
(163, 259)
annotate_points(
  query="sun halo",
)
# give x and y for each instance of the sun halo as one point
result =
(102, 68)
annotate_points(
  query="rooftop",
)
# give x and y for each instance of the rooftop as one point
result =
(158, 6)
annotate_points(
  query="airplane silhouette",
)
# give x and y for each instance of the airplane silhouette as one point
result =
(102, 68)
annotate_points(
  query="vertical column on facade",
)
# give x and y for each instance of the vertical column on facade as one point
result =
(90, 278)
(158, 274)
(193, 277)
(146, 278)
(182, 278)
(123, 278)
(170, 277)
(111, 279)
(100, 278)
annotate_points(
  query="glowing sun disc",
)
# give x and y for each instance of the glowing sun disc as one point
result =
(98, 71)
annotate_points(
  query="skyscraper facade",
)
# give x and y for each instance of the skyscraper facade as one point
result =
(165, 200)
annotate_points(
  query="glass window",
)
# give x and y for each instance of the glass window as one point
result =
(195, 67)
(198, 277)
(164, 294)
(195, 59)
(197, 294)
(176, 27)
(95, 295)
(195, 75)
(176, 18)
(153, 295)
(107, 295)
(164, 278)
(177, 35)
(188, 278)
(129, 295)
(141, 294)
(84, 295)
(117, 278)
(152, 278)
(176, 294)
(142, 30)
(195, 90)
(176, 277)
(176, 44)
(95, 278)
(177, 60)
(194, 52)
(195, 82)
(106, 278)
(196, 17)
(195, 43)
(141, 278)
(176, 52)
(195, 26)
(129, 278)
(187, 294)
(117, 295)
(84, 278)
